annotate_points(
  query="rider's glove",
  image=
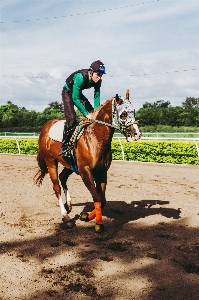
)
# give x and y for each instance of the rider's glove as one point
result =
(89, 116)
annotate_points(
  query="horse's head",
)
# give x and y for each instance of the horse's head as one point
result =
(126, 118)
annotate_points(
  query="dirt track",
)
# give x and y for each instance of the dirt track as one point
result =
(149, 249)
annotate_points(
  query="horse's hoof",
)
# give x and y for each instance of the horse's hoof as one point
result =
(67, 223)
(84, 217)
(99, 228)
(66, 219)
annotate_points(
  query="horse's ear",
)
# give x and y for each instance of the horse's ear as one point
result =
(119, 100)
(127, 94)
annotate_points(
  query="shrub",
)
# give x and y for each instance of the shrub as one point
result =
(145, 151)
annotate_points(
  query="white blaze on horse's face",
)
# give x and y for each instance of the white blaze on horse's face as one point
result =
(137, 133)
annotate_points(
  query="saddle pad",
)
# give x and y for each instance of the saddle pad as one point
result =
(56, 131)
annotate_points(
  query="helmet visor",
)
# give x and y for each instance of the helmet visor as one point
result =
(101, 70)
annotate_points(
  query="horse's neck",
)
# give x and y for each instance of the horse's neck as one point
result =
(104, 113)
(103, 133)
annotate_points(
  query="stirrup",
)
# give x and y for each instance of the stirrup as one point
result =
(65, 151)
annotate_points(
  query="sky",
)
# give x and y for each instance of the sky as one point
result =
(148, 47)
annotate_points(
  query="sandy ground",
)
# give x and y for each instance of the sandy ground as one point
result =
(149, 249)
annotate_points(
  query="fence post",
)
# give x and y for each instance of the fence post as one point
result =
(121, 148)
(196, 147)
(17, 145)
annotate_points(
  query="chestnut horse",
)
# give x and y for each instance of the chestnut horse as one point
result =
(92, 153)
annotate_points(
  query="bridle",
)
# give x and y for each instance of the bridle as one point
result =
(117, 123)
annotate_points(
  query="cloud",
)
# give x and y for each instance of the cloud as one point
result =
(145, 48)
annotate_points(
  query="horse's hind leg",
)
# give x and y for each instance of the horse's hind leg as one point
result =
(63, 176)
(53, 173)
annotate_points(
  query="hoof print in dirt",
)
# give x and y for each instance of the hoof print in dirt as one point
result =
(191, 268)
(106, 258)
(117, 247)
(188, 258)
(51, 293)
(55, 244)
(69, 243)
(87, 289)
(154, 256)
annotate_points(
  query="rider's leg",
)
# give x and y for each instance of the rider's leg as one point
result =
(68, 131)
(69, 110)
(70, 122)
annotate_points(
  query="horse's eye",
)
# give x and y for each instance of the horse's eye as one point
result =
(123, 115)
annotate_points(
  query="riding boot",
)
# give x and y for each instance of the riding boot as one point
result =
(67, 134)
(68, 131)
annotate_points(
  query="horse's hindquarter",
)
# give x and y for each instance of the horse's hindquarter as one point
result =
(50, 148)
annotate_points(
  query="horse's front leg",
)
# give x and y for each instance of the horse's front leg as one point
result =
(101, 188)
(96, 183)
(63, 176)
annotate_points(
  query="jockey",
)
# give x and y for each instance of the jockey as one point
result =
(72, 95)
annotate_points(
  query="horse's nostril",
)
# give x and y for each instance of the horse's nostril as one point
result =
(135, 133)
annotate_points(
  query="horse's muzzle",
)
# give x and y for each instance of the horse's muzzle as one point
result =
(137, 136)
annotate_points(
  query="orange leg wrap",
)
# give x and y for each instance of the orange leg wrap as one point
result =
(92, 215)
(98, 211)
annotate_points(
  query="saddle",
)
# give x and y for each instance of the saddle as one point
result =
(56, 132)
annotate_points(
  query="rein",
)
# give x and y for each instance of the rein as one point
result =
(104, 123)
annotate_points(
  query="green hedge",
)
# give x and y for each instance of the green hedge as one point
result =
(145, 151)
(157, 151)
(27, 146)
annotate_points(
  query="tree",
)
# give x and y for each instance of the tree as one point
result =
(56, 105)
(191, 108)
(191, 103)
(79, 115)
(159, 103)
(154, 113)
(8, 114)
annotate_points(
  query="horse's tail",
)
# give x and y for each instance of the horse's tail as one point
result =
(43, 170)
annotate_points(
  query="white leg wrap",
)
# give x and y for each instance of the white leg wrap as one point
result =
(61, 204)
(68, 199)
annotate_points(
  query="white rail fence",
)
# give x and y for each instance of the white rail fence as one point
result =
(119, 138)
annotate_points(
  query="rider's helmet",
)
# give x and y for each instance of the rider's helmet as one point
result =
(98, 66)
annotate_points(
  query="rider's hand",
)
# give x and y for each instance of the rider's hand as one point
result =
(89, 116)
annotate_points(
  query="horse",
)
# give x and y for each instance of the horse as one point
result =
(91, 153)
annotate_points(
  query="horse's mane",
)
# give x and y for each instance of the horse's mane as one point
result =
(95, 113)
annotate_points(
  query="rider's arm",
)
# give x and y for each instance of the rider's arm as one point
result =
(97, 94)
(77, 89)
